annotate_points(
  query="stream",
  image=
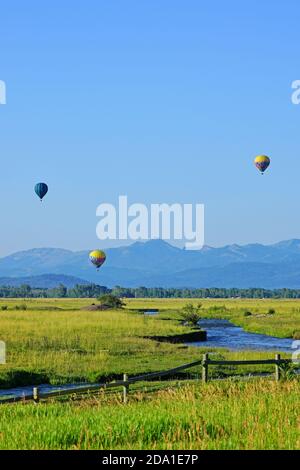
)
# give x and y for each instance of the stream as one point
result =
(224, 334)
(220, 334)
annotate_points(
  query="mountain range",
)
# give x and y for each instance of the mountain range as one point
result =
(158, 264)
(44, 281)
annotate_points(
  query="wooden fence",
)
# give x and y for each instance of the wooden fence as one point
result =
(205, 363)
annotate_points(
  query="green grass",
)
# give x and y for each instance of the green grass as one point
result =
(68, 346)
(54, 341)
(230, 415)
(285, 323)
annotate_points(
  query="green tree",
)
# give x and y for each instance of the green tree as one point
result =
(191, 314)
(111, 301)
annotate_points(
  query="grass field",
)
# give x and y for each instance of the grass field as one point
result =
(55, 341)
(285, 323)
(256, 415)
(73, 345)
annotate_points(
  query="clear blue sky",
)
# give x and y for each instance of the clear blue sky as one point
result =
(166, 101)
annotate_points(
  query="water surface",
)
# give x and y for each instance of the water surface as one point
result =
(220, 334)
(224, 334)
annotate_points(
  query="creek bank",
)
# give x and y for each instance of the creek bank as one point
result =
(192, 337)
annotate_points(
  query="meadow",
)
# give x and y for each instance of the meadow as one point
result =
(224, 415)
(56, 341)
(284, 322)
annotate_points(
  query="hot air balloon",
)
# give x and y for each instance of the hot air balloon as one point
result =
(97, 257)
(41, 190)
(262, 162)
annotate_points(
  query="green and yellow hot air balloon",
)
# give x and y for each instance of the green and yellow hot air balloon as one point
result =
(262, 162)
(97, 258)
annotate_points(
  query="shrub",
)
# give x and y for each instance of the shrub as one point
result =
(3, 307)
(21, 307)
(191, 314)
(217, 308)
(271, 311)
(247, 313)
(111, 301)
(296, 334)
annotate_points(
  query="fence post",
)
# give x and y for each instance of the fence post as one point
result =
(125, 389)
(277, 368)
(205, 368)
(36, 394)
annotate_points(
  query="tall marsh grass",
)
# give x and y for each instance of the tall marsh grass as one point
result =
(230, 415)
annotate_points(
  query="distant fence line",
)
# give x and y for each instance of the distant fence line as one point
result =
(205, 363)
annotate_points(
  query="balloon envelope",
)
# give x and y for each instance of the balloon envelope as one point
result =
(97, 258)
(41, 190)
(262, 162)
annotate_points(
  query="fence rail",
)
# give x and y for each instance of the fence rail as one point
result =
(205, 363)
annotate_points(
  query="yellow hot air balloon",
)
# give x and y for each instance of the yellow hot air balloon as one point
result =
(262, 162)
(97, 257)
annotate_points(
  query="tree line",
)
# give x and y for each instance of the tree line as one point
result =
(95, 291)
(60, 292)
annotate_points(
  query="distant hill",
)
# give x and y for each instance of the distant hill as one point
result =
(157, 263)
(44, 281)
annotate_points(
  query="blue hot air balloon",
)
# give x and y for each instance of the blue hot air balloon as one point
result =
(41, 190)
